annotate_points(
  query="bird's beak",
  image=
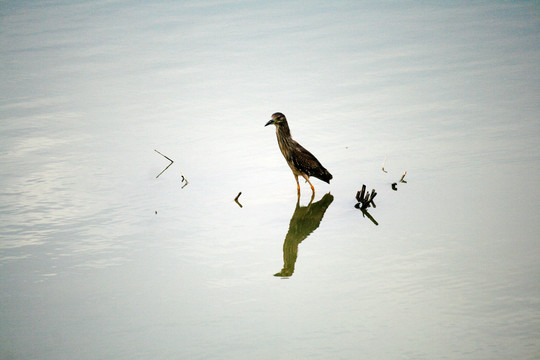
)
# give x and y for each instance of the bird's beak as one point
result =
(270, 122)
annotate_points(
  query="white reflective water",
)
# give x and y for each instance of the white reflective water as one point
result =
(99, 259)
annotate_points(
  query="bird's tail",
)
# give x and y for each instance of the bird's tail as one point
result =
(324, 176)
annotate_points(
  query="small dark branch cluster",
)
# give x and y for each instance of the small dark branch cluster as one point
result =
(365, 199)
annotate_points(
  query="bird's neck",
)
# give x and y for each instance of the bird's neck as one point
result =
(285, 140)
(283, 131)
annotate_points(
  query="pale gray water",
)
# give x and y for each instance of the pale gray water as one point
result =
(447, 91)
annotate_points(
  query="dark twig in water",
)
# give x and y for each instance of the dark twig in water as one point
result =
(166, 157)
(236, 199)
(360, 194)
(372, 196)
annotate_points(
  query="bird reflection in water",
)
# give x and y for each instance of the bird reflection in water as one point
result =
(304, 221)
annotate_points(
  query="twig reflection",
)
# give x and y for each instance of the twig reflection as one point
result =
(365, 213)
(304, 221)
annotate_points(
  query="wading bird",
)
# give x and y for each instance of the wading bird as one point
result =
(301, 161)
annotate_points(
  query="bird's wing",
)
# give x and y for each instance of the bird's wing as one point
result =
(306, 161)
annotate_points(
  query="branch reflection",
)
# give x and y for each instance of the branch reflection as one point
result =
(304, 221)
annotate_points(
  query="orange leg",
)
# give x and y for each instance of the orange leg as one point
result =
(310, 184)
(297, 184)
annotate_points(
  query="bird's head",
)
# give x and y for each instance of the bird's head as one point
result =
(277, 119)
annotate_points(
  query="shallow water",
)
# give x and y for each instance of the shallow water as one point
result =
(101, 259)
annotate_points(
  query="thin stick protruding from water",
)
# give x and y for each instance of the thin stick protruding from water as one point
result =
(236, 199)
(383, 164)
(403, 177)
(166, 157)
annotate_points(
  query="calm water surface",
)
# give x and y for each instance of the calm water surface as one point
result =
(99, 259)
